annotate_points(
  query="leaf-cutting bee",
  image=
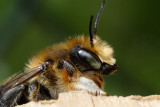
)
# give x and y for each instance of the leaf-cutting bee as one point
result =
(76, 64)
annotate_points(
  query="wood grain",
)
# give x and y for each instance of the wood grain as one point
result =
(84, 99)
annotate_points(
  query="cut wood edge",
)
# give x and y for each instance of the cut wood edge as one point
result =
(84, 99)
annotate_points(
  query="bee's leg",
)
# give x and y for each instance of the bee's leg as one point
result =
(37, 92)
(11, 97)
(33, 90)
(69, 67)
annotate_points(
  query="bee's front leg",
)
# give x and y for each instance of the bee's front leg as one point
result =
(69, 67)
(11, 97)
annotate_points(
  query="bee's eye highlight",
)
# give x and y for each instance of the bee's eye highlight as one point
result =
(84, 59)
(89, 57)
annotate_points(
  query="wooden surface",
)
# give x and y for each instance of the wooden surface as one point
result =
(83, 99)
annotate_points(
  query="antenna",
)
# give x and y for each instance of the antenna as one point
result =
(98, 16)
(90, 31)
(95, 24)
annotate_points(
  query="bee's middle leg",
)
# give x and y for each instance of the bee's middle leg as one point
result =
(38, 92)
(33, 90)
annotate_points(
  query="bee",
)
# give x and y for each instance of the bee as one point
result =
(76, 64)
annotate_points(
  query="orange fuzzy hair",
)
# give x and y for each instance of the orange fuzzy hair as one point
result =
(55, 52)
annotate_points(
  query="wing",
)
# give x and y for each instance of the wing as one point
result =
(22, 78)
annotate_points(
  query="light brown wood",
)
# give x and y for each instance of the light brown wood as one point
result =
(84, 99)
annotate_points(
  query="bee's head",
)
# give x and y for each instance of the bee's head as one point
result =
(87, 60)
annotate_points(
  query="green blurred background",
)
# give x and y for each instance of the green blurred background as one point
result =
(132, 27)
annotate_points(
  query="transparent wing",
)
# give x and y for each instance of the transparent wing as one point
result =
(22, 78)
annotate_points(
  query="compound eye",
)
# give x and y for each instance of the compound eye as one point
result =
(89, 58)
